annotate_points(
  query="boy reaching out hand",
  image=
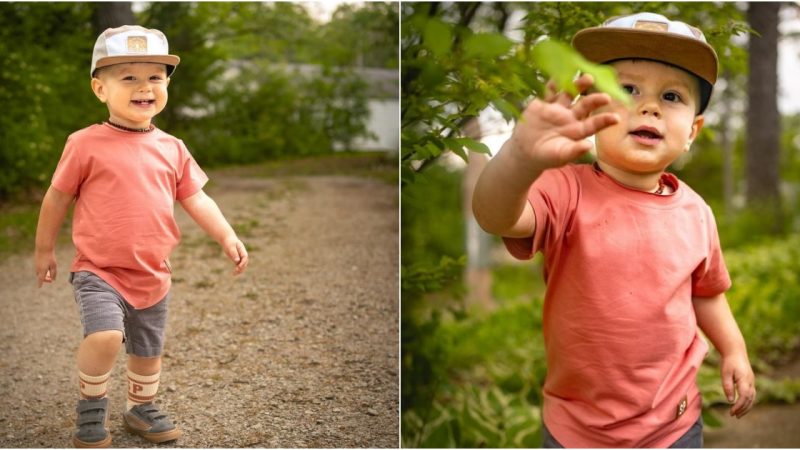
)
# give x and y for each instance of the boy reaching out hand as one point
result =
(633, 263)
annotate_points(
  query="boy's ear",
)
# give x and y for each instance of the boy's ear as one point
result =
(697, 125)
(99, 89)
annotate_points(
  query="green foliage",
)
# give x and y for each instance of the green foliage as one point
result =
(766, 286)
(43, 87)
(483, 361)
(489, 371)
(432, 217)
(457, 62)
(561, 63)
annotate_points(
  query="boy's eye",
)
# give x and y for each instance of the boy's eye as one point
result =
(672, 97)
(128, 78)
(629, 88)
(156, 78)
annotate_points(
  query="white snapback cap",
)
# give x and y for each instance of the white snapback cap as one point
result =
(132, 43)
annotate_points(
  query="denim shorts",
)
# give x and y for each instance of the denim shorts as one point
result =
(102, 308)
(691, 439)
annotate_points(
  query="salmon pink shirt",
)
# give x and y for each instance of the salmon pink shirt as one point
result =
(622, 342)
(126, 184)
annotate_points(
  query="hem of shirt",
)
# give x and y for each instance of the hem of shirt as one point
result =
(716, 289)
(102, 274)
(694, 411)
(59, 188)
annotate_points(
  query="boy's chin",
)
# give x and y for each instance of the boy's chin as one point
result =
(636, 166)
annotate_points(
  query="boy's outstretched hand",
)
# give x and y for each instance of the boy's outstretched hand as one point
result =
(237, 253)
(738, 378)
(552, 132)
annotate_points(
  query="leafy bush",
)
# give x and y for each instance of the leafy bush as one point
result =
(490, 368)
(764, 298)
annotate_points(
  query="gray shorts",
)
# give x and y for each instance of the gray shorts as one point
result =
(102, 308)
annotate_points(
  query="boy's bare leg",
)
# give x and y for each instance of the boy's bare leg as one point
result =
(96, 357)
(98, 352)
(144, 366)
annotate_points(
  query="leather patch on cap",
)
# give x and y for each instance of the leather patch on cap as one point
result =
(650, 25)
(137, 44)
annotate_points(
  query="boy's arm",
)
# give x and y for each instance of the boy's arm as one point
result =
(500, 201)
(550, 133)
(715, 318)
(54, 208)
(204, 210)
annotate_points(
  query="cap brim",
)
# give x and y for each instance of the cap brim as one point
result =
(170, 60)
(602, 45)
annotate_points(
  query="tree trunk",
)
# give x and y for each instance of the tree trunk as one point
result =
(726, 144)
(763, 119)
(112, 15)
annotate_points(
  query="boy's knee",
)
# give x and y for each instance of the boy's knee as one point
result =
(105, 341)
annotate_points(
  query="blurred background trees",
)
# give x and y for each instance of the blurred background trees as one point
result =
(472, 375)
(256, 80)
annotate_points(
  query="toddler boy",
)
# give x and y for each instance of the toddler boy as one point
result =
(633, 263)
(125, 175)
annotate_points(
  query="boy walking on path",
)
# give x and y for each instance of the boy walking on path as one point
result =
(633, 263)
(125, 176)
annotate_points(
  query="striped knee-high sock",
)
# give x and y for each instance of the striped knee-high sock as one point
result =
(141, 388)
(93, 387)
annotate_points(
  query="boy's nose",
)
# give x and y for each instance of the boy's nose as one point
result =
(649, 107)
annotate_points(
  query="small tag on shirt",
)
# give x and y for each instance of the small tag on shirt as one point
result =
(168, 265)
(682, 406)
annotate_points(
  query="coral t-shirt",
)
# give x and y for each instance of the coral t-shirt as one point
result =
(621, 336)
(126, 184)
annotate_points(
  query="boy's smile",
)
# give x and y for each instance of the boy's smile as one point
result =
(655, 129)
(133, 92)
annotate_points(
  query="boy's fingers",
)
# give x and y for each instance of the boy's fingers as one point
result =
(551, 91)
(590, 126)
(727, 387)
(587, 104)
(584, 82)
(241, 258)
(745, 401)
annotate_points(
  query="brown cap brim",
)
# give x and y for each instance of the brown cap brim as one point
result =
(171, 61)
(604, 44)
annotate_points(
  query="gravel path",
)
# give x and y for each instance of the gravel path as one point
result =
(301, 351)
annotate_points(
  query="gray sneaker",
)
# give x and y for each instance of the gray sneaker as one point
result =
(92, 424)
(150, 423)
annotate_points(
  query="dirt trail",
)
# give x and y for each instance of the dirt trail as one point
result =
(301, 351)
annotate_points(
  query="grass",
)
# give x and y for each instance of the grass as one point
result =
(376, 165)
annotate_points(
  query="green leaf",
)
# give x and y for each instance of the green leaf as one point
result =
(508, 110)
(456, 147)
(486, 46)
(561, 62)
(437, 37)
(473, 145)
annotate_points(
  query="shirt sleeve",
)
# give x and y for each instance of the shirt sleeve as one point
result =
(70, 172)
(711, 277)
(553, 197)
(191, 177)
